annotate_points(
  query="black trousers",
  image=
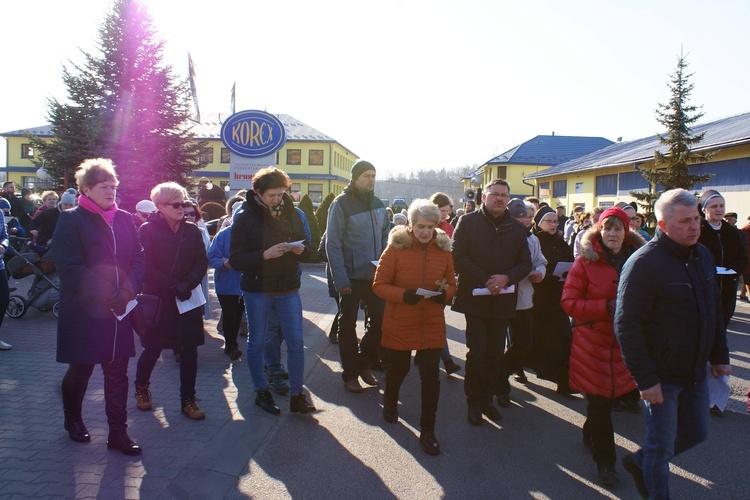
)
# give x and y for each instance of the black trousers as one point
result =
(398, 364)
(76, 381)
(353, 356)
(598, 429)
(4, 294)
(232, 307)
(485, 338)
(520, 339)
(188, 369)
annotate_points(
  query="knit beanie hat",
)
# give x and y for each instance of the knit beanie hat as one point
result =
(68, 198)
(542, 213)
(706, 197)
(360, 167)
(4, 204)
(615, 212)
(400, 217)
(517, 208)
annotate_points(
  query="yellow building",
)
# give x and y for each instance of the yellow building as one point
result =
(607, 176)
(316, 163)
(530, 157)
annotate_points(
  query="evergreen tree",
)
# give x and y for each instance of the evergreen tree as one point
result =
(322, 212)
(306, 205)
(124, 104)
(672, 169)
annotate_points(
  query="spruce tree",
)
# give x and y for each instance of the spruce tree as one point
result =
(322, 212)
(125, 104)
(672, 168)
(306, 205)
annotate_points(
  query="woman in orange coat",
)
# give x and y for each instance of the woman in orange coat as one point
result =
(596, 365)
(417, 256)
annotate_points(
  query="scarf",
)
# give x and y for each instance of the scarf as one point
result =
(108, 215)
(274, 211)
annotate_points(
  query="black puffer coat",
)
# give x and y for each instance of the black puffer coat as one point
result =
(175, 263)
(94, 261)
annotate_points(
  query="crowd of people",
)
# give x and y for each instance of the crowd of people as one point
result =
(590, 302)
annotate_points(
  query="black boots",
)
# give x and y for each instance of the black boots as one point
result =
(429, 442)
(390, 411)
(119, 440)
(76, 429)
(299, 404)
(265, 401)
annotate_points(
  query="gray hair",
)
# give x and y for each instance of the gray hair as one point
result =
(667, 201)
(529, 206)
(425, 209)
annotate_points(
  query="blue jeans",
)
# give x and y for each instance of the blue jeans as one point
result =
(676, 425)
(289, 309)
(272, 351)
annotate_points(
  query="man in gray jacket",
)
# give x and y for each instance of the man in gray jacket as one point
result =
(356, 234)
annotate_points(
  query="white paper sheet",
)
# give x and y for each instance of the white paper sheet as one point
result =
(129, 307)
(299, 244)
(486, 291)
(724, 270)
(374, 263)
(562, 269)
(718, 390)
(196, 300)
(427, 293)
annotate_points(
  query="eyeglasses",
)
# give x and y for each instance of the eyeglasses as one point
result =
(190, 214)
(178, 205)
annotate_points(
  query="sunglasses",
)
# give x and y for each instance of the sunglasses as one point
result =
(178, 205)
(190, 214)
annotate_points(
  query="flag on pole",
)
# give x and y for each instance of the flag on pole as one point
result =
(196, 113)
(233, 95)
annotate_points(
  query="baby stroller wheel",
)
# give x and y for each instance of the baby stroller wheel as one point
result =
(17, 307)
(56, 309)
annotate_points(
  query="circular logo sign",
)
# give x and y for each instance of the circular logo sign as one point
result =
(253, 133)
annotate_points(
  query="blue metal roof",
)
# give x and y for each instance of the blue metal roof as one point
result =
(550, 150)
(725, 132)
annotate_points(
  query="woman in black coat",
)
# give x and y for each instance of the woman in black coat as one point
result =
(175, 265)
(101, 265)
(550, 352)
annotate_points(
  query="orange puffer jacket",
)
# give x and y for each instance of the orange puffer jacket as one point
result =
(406, 264)
(596, 364)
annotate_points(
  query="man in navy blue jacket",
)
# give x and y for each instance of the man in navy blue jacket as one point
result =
(669, 325)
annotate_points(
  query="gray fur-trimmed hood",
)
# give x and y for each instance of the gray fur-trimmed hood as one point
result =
(591, 247)
(400, 238)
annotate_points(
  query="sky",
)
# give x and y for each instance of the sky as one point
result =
(411, 84)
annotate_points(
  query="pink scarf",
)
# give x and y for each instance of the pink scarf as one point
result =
(108, 215)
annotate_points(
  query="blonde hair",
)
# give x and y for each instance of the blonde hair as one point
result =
(95, 171)
(50, 193)
(166, 192)
(425, 209)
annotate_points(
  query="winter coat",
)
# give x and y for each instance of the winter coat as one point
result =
(746, 233)
(226, 281)
(94, 261)
(668, 320)
(725, 246)
(446, 227)
(406, 264)
(45, 223)
(4, 242)
(480, 250)
(525, 287)
(547, 293)
(356, 234)
(175, 264)
(596, 365)
(254, 231)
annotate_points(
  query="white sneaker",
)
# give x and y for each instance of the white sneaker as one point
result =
(4, 346)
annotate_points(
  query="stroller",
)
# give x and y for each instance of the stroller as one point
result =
(44, 293)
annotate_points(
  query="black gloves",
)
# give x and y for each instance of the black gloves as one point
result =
(411, 297)
(182, 291)
(119, 301)
(440, 299)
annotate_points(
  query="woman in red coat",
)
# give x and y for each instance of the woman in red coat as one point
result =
(596, 365)
(417, 256)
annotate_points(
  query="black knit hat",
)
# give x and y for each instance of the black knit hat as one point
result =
(360, 167)
(541, 213)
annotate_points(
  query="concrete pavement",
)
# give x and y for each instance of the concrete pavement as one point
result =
(344, 450)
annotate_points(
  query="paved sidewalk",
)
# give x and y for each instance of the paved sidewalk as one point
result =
(343, 450)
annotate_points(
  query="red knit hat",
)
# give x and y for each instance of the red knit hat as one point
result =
(615, 212)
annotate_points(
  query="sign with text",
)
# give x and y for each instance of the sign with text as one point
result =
(253, 137)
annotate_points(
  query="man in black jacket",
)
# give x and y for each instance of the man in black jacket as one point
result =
(490, 253)
(669, 325)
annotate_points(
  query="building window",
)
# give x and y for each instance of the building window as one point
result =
(315, 157)
(294, 157)
(606, 185)
(544, 189)
(225, 155)
(27, 151)
(502, 172)
(315, 191)
(37, 183)
(560, 189)
(295, 191)
(207, 155)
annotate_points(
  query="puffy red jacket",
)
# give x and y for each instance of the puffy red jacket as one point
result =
(596, 365)
(407, 265)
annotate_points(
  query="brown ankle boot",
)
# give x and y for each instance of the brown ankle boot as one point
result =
(143, 397)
